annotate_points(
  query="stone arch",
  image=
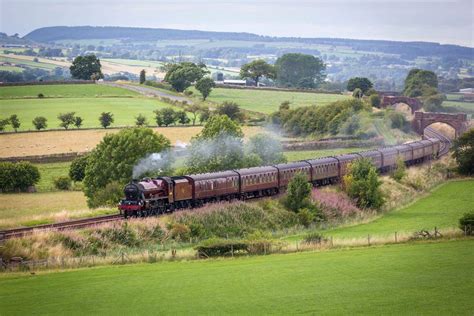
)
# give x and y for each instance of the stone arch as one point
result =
(424, 119)
(390, 100)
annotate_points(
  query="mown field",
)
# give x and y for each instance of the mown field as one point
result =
(309, 154)
(419, 278)
(57, 142)
(65, 91)
(442, 208)
(49, 172)
(268, 101)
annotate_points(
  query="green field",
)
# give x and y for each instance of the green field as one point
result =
(134, 62)
(124, 110)
(10, 68)
(416, 279)
(29, 63)
(50, 171)
(267, 102)
(64, 91)
(441, 209)
(463, 106)
(308, 154)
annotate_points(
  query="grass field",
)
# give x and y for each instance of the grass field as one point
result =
(50, 171)
(416, 279)
(463, 106)
(308, 154)
(268, 101)
(57, 142)
(64, 91)
(125, 110)
(27, 209)
(17, 60)
(442, 209)
(10, 68)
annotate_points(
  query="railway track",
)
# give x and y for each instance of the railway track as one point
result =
(445, 141)
(74, 224)
(93, 221)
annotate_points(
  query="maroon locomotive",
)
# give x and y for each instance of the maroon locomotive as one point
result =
(165, 194)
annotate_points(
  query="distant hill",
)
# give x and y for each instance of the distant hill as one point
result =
(57, 33)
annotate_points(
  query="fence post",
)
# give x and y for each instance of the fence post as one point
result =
(297, 246)
(123, 259)
(232, 249)
(396, 239)
(368, 240)
(436, 232)
(332, 244)
(465, 230)
(264, 248)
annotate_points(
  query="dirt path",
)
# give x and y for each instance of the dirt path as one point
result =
(148, 91)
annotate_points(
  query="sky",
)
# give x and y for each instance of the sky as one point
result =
(446, 22)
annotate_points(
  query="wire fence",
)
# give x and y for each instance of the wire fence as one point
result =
(186, 251)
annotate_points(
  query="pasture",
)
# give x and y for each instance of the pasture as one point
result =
(50, 171)
(309, 154)
(58, 142)
(417, 278)
(267, 102)
(64, 91)
(28, 209)
(442, 208)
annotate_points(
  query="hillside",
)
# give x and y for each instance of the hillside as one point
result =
(58, 33)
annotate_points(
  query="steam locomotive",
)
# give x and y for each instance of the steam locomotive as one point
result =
(165, 194)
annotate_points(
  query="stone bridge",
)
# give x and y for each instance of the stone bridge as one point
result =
(390, 100)
(457, 121)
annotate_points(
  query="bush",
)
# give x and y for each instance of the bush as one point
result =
(466, 223)
(314, 238)
(180, 232)
(62, 183)
(463, 152)
(306, 217)
(361, 183)
(77, 170)
(17, 176)
(374, 100)
(40, 95)
(108, 196)
(298, 193)
(400, 170)
(220, 247)
(397, 120)
(40, 122)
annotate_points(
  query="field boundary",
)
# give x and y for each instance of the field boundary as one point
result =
(277, 89)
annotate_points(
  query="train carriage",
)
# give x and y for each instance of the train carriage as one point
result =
(344, 161)
(324, 170)
(375, 156)
(405, 152)
(390, 156)
(258, 181)
(427, 148)
(287, 171)
(418, 151)
(215, 185)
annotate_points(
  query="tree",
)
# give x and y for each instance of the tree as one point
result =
(182, 75)
(17, 176)
(86, 68)
(115, 156)
(204, 86)
(232, 110)
(357, 93)
(374, 100)
(298, 193)
(182, 117)
(463, 152)
(77, 170)
(15, 122)
(78, 121)
(40, 122)
(142, 76)
(363, 84)
(400, 170)
(66, 119)
(194, 110)
(105, 119)
(140, 120)
(257, 69)
(420, 83)
(291, 68)
(361, 183)
(219, 146)
(166, 116)
(204, 114)
(3, 124)
(266, 148)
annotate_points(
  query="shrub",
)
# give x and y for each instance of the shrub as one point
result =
(400, 170)
(397, 120)
(220, 247)
(40, 122)
(108, 196)
(466, 223)
(361, 183)
(180, 232)
(334, 204)
(140, 120)
(66, 119)
(374, 100)
(314, 238)
(40, 95)
(77, 170)
(463, 152)
(106, 119)
(306, 217)
(62, 183)
(298, 193)
(17, 176)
